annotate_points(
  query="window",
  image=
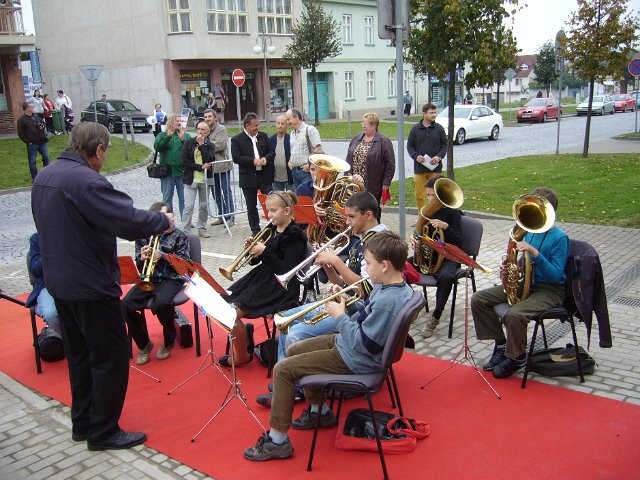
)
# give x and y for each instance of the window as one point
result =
(3, 96)
(405, 80)
(391, 83)
(371, 84)
(179, 16)
(518, 82)
(368, 30)
(274, 17)
(346, 29)
(348, 85)
(524, 66)
(226, 16)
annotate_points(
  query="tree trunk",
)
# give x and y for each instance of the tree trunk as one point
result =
(452, 101)
(585, 148)
(498, 95)
(315, 96)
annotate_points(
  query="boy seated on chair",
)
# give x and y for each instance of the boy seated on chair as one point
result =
(356, 349)
(166, 284)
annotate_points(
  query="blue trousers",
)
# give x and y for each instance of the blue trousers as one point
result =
(32, 155)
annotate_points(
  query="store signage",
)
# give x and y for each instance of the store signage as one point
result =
(194, 74)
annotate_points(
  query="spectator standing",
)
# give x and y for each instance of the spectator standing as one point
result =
(38, 104)
(221, 189)
(408, 101)
(281, 145)
(31, 131)
(161, 120)
(305, 141)
(48, 107)
(63, 103)
(169, 145)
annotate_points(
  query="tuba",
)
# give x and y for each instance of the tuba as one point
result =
(533, 214)
(241, 260)
(448, 194)
(149, 265)
(330, 193)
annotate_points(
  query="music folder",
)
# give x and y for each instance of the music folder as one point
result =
(186, 268)
(211, 302)
(128, 271)
(303, 212)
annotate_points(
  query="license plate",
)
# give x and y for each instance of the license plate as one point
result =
(138, 124)
(526, 115)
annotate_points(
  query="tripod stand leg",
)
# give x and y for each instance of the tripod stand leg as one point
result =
(145, 373)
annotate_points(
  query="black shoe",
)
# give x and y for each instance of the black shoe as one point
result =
(509, 367)
(497, 357)
(225, 361)
(118, 441)
(79, 437)
(250, 343)
(265, 400)
(307, 421)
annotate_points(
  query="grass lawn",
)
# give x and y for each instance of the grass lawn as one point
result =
(603, 189)
(14, 166)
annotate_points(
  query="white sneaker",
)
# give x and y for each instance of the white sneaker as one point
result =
(143, 355)
(430, 327)
(164, 352)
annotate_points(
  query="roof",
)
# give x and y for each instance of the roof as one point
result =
(529, 61)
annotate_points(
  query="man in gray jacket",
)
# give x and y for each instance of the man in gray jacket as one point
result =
(221, 188)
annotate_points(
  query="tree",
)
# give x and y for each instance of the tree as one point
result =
(545, 68)
(599, 42)
(446, 34)
(315, 38)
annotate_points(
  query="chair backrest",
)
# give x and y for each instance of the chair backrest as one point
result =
(472, 235)
(195, 250)
(394, 346)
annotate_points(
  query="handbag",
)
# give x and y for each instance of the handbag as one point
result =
(397, 434)
(157, 170)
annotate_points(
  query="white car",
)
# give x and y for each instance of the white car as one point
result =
(471, 121)
(601, 104)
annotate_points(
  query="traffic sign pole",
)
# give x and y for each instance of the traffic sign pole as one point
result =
(238, 78)
(634, 69)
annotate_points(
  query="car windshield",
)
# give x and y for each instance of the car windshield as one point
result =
(121, 106)
(598, 99)
(536, 102)
(619, 97)
(458, 112)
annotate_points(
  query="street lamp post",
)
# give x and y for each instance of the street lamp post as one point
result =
(261, 47)
(560, 68)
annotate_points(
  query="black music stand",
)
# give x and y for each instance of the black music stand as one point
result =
(456, 254)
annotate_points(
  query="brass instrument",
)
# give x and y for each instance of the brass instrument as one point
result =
(330, 193)
(299, 270)
(244, 258)
(448, 194)
(534, 214)
(283, 323)
(149, 265)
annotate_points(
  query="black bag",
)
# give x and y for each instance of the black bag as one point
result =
(157, 170)
(50, 345)
(561, 362)
(267, 352)
(183, 329)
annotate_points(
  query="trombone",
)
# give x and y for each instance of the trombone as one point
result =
(149, 265)
(283, 323)
(299, 270)
(244, 258)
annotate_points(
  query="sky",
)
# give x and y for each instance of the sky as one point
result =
(534, 25)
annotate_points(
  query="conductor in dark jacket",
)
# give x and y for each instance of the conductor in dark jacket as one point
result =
(78, 215)
(253, 154)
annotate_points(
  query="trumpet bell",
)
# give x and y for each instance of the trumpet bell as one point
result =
(448, 193)
(146, 286)
(226, 274)
(329, 163)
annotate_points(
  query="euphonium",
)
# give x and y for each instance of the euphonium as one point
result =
(244, 258)
(330, 193)
(448, 194)
(149, 265)
(533, 214)
(283, 323)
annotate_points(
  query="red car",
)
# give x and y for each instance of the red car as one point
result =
(539, 110)
(624, 102)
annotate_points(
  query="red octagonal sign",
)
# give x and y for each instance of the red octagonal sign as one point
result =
(238, 78)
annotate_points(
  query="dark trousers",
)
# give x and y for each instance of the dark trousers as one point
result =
(160, 302)
(97, 350)
(444, 283)
(251, 199)
(407, 108)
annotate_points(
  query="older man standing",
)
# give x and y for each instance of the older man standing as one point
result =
(221, 189)
(305, 140)
(281, 144)
(31, 130)
(78, 215)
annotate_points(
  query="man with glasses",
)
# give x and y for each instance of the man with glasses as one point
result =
(305, 140)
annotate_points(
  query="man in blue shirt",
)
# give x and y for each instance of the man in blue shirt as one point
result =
(548, 251)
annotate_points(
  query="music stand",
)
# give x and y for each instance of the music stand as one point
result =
(456, 254)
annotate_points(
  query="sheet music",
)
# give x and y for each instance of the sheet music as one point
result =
(210, 301)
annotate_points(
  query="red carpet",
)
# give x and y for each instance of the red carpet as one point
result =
(542, 432)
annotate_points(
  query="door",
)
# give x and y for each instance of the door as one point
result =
(323, 97)
(247, 98)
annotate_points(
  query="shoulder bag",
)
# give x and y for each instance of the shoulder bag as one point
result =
(157, 170)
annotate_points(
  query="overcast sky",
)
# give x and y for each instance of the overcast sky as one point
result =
(536, 24)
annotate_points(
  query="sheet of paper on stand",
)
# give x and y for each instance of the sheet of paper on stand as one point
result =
(203, 295)
(188, 267)
(128, 271)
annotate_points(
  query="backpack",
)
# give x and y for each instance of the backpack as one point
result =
(561, 362)
(50, 345)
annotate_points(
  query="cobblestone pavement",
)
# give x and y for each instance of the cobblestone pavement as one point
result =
(35, 437)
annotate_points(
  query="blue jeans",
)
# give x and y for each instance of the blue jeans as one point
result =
(300, 331)
(167, 185)
(46, 309)
(299, 176)
(32, 155)
(222, 195)
(281, 186)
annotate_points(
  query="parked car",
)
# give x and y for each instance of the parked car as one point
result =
(472, 121)
(636, 95)
(539, 110)
(601, 104)
(113, 114)
(624, 102)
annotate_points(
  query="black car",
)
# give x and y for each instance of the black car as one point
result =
(114, 113)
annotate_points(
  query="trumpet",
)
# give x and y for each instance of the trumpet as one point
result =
(149, 265)
(299, 270)
(283, 323)
(244, 258)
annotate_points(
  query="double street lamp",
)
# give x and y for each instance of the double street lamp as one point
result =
(264, 45)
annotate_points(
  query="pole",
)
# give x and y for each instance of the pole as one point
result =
(400, 6)
(509, 100)
(267, 88)
(559, 105)
(238, 108)
(95, 103)
(636, 99)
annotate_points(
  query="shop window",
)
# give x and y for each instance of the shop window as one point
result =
(281, 88)
(179, 16)
(391, 83)
(368, 30)
(371, 84)
(274, 17)
(195, 86)
(346, 29)
(226, 16)
(348, 85)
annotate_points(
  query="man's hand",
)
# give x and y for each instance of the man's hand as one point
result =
(305, 167)
(439, 224)
(200, 139)
(435, 160)
(526, 247)
(320, 212)
(336, 309)
(257, 162)
(420, 159)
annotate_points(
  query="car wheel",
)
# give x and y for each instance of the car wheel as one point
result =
(613, 110)
(602, 111)
(544, 118)
(495, 133)
(624, 109)
(111, 126)
(460, 136)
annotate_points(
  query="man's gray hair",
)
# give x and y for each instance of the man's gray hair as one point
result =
(210, 110)
(86, 137)
(297, 114)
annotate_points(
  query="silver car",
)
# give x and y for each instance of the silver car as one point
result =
(601, 104)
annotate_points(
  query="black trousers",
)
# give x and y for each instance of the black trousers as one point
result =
(444, 284)
(251, 199)
(97, 350)
(160, 302)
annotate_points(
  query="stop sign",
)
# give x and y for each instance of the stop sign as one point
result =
(238, 78)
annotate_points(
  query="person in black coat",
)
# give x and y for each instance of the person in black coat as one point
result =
(253, 154)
